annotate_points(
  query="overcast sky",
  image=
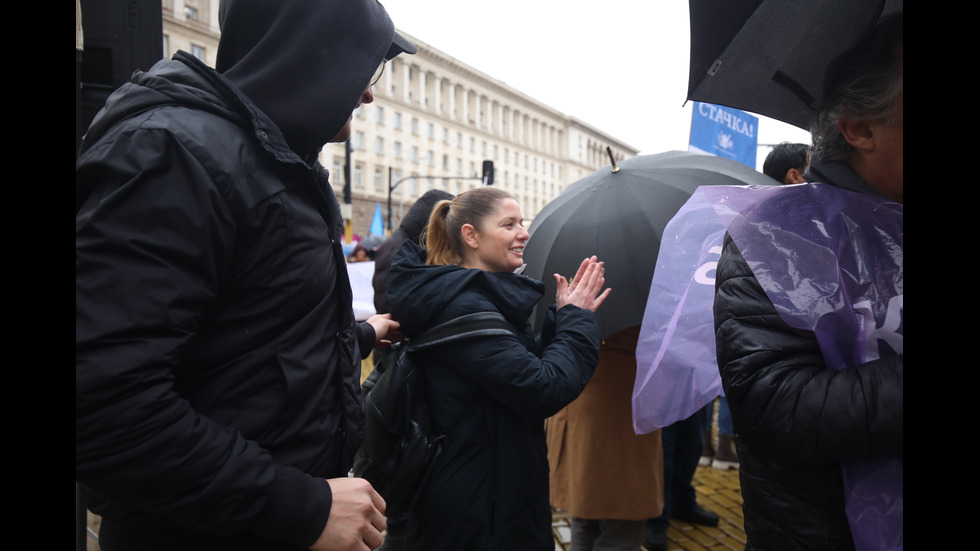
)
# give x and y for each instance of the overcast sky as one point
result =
(620, 66)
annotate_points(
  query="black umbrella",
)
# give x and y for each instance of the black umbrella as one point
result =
(769, 56)
(619, 214)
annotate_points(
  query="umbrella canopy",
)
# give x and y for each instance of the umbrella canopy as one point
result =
(619, 215)
(769, 56)
(372, 242)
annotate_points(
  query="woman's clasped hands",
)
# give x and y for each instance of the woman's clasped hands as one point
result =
(585, 289)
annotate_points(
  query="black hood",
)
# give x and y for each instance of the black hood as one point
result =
(304, 63)
(417, 218)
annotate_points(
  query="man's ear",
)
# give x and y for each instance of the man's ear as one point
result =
(794, 176)
(858, 134)
(470, 237)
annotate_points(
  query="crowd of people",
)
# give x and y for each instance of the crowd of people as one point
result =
(218, 399)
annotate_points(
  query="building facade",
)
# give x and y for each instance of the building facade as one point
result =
(433, 123)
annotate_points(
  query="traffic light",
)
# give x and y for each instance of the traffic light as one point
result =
(488, 173)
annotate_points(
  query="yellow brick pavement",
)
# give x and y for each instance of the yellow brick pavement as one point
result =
(717, 491)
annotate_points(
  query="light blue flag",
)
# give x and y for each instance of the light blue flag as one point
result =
(377, 226)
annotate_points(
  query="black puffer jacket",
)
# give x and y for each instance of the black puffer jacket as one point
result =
(217, 367)
(796, 420)
(490, 488)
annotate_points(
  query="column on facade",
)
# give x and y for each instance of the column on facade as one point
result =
(437, 93)
(471, 106)
(504, 126)
(406, 80)
(481, 102)
(453, 109)
(497, 117)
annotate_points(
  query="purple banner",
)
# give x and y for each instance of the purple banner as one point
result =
(809, 246)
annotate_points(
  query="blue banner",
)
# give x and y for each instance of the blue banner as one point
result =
(724, 132)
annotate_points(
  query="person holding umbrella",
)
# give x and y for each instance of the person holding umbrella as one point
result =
(489, 487)
(817, 397)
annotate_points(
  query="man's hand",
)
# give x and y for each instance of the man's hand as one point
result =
(386, 330)
(356, 517)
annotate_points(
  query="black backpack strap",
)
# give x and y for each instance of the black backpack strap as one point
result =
(480, 324)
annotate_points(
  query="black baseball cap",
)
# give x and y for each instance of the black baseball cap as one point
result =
(399, 44)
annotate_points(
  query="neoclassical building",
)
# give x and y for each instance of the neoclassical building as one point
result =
(433, 123)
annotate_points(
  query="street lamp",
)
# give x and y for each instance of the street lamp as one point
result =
(487, 179)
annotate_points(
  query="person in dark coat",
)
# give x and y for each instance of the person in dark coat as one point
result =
(787, 163)
(217, 399)
(489, 488)
(411, 229)
(804, 421)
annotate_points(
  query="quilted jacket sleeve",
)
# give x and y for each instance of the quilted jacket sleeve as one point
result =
(786, 405)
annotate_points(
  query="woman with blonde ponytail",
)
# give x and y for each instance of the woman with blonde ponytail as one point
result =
(489, 488)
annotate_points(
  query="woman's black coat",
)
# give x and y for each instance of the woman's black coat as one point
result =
(490, 488)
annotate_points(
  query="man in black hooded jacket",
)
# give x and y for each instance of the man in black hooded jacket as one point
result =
(217, 359)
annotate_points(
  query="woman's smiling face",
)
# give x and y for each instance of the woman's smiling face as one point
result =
(498, 246)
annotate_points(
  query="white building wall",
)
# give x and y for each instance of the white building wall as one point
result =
(453, 117)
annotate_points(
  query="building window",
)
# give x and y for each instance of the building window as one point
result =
(379, 115)
(459, 139)
(431, 130)
(197, 51)
(398, 120)
(472, 145)
(445, 136)
(415, 154)
(398, 150)
(445, 163)
(432, 158)
(378, 180)
(358, 180)
(358, 142)
(415, 126)
(379, 145)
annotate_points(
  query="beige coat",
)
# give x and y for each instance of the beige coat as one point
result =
(600, 469)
